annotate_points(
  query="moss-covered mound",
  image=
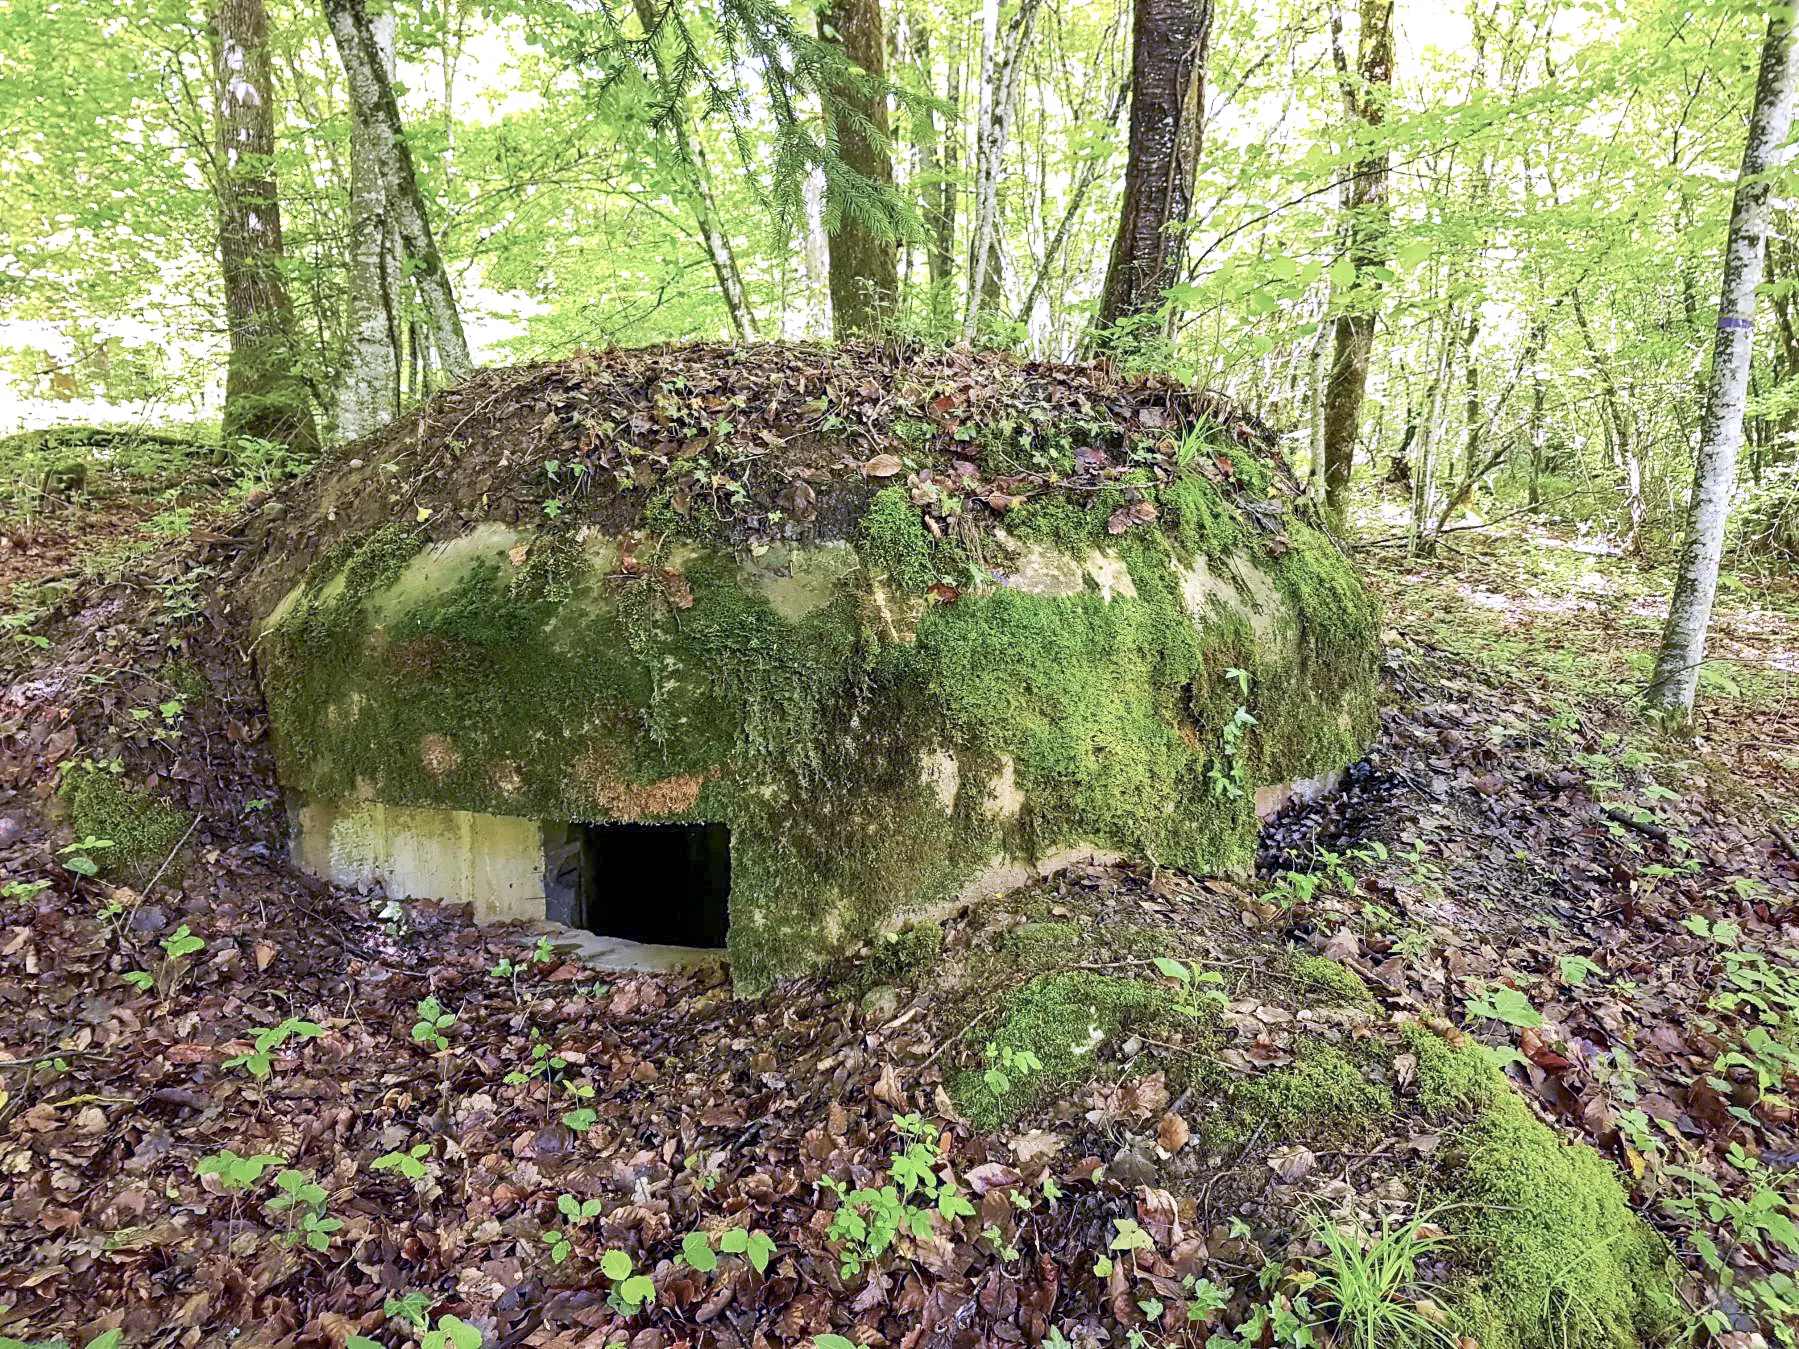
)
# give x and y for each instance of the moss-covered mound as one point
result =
(1141, 1021)
(900, 628)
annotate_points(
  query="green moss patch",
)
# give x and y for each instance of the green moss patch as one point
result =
(144, 831)
(1557, 1258)
(1065, 1022)
(1323, 1091)
(1318, 982)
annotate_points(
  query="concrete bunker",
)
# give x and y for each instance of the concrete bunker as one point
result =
(887, 667)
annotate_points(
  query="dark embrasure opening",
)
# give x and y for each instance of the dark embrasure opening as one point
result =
(660, 884)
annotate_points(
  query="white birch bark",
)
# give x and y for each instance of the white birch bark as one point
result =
(368, 389)
(1676, 677)
(1000, 62)
(372, 101)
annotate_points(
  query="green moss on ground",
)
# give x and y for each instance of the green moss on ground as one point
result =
(1558, 1260)
(143, 830)
(1065, 1020)
(1318, 982)
(1450, 1080)
(1321, 1092)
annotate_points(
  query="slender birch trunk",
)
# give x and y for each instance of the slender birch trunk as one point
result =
(1676, 677)
(265, 397)
(690, 152)
(368, 386)
(1001, 59)
(372, 101)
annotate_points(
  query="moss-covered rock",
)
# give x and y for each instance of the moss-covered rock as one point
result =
(1558, 1259)
(890, 715)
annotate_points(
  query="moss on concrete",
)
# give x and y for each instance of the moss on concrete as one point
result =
(895, 544)
(144, 831)
(870, 756)
(1557, 1259)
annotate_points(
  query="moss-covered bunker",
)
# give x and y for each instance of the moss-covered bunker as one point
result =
(902, 665)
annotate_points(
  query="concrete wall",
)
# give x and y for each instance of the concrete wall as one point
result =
(494, 862)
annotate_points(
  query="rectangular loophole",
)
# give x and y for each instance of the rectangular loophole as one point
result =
(658, 884)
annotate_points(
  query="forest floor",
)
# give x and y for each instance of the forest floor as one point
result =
(228, 1111)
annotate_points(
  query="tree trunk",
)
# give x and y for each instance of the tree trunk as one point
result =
(936, 160)
(368, 386)
(265, 396)
(1365, 213)
(1676, 677)
(690, 152)
(864, 258)
(1059, 240)
(1168, 62)
(372, 102)
(1000, 62)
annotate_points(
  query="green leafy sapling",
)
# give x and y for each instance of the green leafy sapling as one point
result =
(1201, 990)
(631, 1292)
(409, 1163)
(432, 1022)
(303, 1200)
(260, 1060)
(235, 1172)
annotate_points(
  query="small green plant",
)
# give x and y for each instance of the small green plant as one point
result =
(78, 854)
(23, 891)
(577, 1211)
(260, 1060)
(753, 1244)
(414, 1309)
(1503, 1003)
(867, 1221)
(235, 1172)
(451, 1332)
(1370, 1288)
(410, 1163)
(432, 1022)
(631, 1292)
(1201, 990)
(303, 1200)
(542, 953)
(1005, 1064)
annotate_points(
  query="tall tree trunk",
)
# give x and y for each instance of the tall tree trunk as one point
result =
(368, 386)
(937, 193)
(864, 258)
(1619, 438)
(690, 154)
(1365, 214)
(265, 396)
(1676, 677)
(1001, 58)
(372, 102)
(1168, 65)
